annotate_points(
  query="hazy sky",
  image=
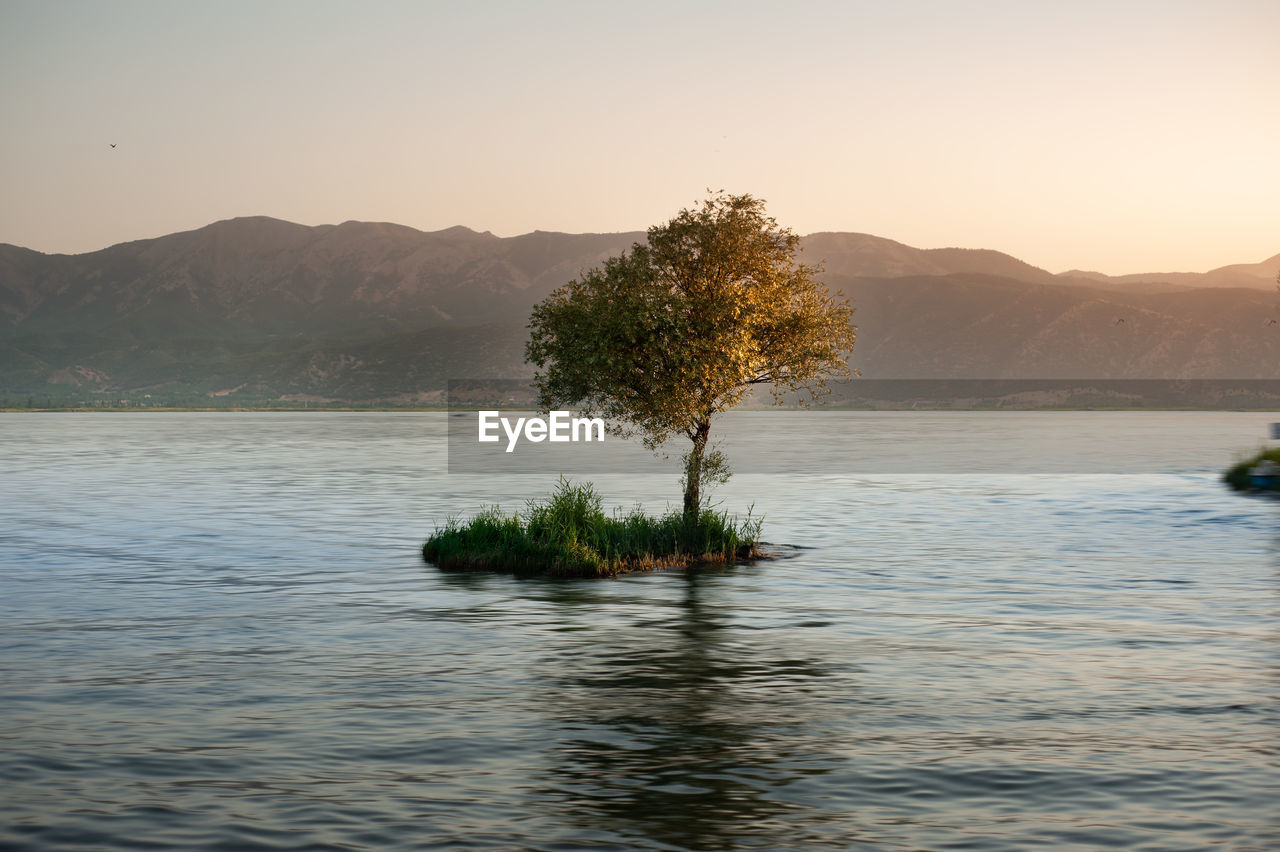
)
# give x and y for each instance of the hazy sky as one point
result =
(1117, 136)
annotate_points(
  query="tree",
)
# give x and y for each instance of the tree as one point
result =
(678, 329)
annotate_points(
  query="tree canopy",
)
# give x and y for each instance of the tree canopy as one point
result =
(660, 339)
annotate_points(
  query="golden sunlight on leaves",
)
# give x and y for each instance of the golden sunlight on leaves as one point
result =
(680, 328)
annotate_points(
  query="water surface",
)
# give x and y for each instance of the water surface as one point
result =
(216, 633)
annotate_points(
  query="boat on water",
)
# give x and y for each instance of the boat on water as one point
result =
(1265, 474)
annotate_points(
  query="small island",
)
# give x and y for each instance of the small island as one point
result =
(569, 535)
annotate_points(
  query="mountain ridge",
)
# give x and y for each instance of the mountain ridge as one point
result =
(273, 308)
(1265, 270)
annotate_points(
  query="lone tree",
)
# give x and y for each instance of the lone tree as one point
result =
(667, 335)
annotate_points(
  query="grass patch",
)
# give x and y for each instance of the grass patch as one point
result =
(1237, 476)
(569, 535)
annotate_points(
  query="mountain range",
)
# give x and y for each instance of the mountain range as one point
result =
(261, 311)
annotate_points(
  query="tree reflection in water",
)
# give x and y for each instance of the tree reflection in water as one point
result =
(685, 729)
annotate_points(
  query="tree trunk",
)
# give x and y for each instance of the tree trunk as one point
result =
(693, 473)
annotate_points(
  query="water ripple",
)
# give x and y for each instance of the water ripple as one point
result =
(215, 633)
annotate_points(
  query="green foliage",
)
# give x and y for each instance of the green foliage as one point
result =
(569, 535)
(1237, 476)
(664, 337)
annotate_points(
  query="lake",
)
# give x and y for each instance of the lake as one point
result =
(218, 633)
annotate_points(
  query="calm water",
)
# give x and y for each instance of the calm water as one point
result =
(216, 633)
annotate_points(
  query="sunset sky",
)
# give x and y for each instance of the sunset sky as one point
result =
(1115, 136)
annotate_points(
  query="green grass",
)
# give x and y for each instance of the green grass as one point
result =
(569, 535)
(1237, 476)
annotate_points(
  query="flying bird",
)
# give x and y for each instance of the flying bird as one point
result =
(1120, 320)
(113, 144)
(1271, 322)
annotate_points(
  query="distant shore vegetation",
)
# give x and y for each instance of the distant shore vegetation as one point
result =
(135, 402)
(862, 394)
(569, 535)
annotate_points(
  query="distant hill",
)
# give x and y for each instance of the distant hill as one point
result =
(260, 275)
(978, 326)
(865, 256)
(252, 310)
(1251, 276)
